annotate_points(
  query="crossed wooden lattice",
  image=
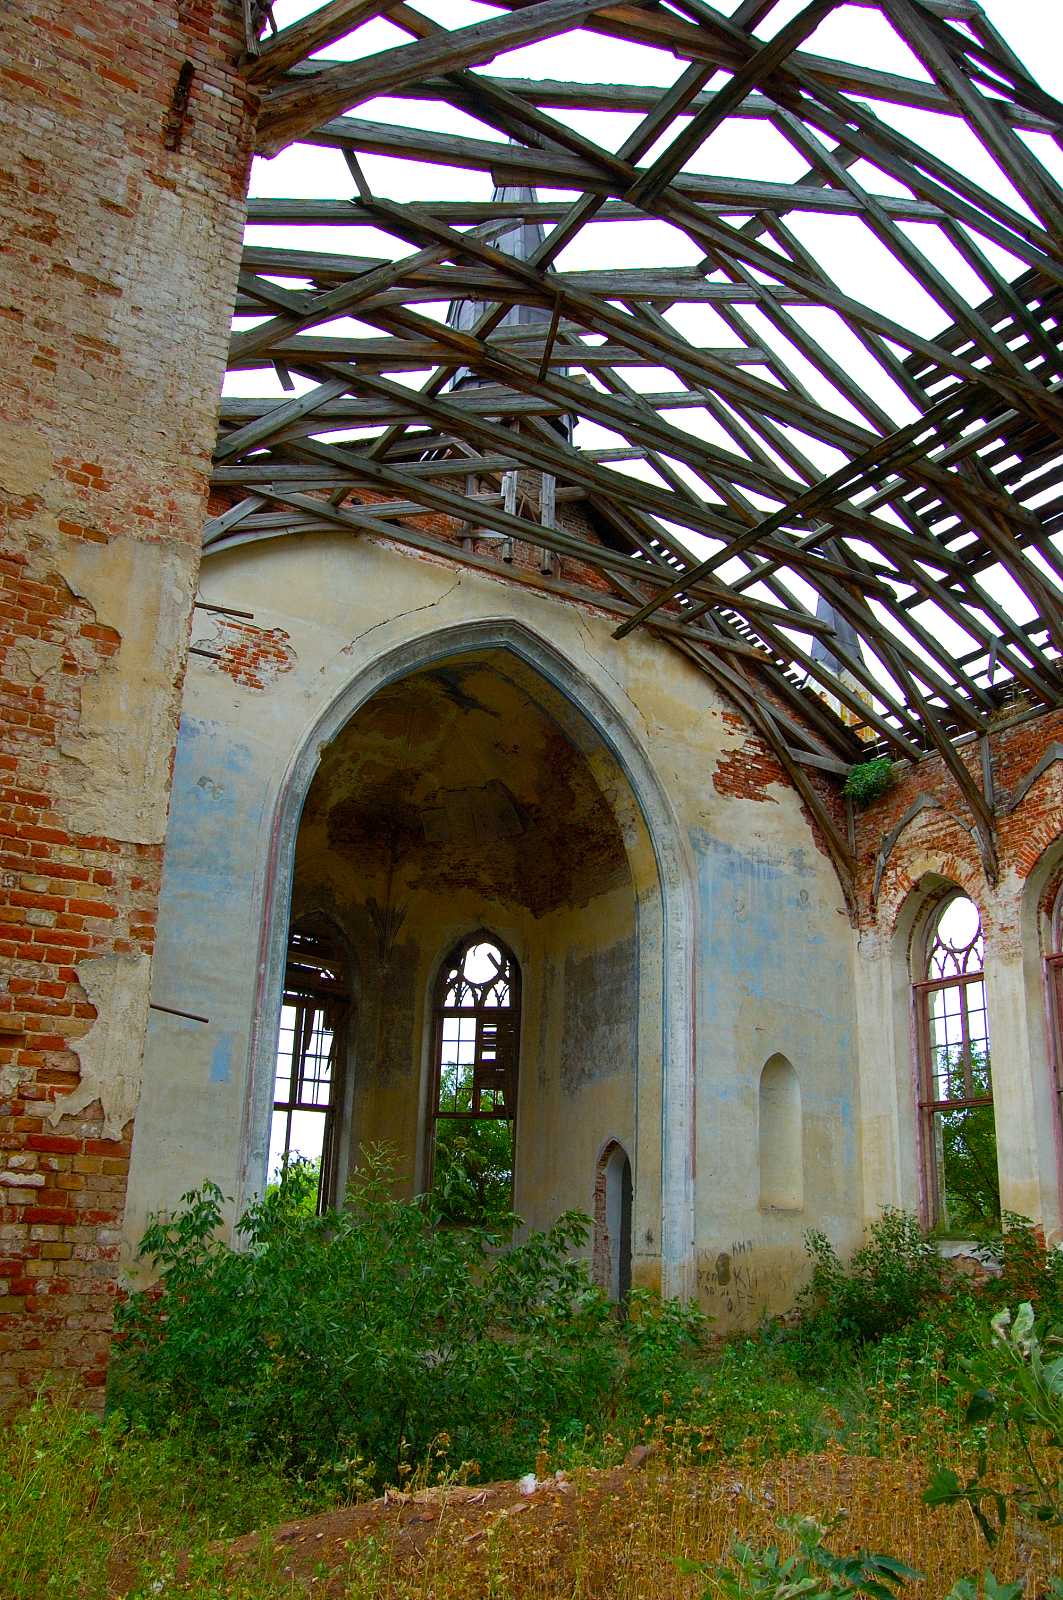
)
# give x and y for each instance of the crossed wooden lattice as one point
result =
(900, 537)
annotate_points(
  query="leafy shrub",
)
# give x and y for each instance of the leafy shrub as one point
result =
(380, 1333)
(869, 780)
(815, 1573)
(1028, 1271)
(896, 1276)
(969, 1161)
(473, 1177)
(662, 1338)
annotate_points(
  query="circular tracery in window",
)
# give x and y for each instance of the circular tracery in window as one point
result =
(482, 976)
(955, 947)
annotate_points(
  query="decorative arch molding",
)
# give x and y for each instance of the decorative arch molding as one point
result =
(949, 867)
(929, 801)
(674, 884)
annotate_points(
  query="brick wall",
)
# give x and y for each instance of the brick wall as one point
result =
(122, 175)
(941, 834)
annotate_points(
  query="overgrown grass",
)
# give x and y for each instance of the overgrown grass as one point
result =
(83, 1497)
(89, 1510)
(851, 1405)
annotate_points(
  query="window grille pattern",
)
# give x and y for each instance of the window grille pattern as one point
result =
(956, 1093)
(313, 1014)
(475, 1100)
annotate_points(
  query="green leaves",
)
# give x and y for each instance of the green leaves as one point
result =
(981, 1406)
(1017, 1390)
(372, 1331)
(946, 1489)
(815, 1573)
(967, 1589)
(869, 780)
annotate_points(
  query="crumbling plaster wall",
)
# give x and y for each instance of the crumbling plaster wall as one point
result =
(717, 995)
(117, 268)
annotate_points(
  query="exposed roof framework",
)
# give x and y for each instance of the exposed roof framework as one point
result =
(888, 542)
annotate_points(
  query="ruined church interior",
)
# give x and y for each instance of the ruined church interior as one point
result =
(532, 635)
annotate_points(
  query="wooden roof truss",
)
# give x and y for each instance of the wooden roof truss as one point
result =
(911, 540)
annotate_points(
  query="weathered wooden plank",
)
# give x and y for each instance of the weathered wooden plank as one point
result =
(293, 111)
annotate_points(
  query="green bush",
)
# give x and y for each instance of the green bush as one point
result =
(814, 1573)
(897, 1276)
(869, 780)
(473, 1176)
(381, 1334)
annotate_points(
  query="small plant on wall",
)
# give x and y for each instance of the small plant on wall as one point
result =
(869, 780)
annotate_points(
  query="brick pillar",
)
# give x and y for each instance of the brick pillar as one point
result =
(123, 165)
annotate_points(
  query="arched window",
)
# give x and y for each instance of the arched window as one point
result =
(781, 1138)
(474, 1104)
(1054, 974)
(956, 1094)
(311, 1049)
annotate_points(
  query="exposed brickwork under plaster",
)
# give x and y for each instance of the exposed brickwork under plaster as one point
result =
(941, 835)
(118, 261)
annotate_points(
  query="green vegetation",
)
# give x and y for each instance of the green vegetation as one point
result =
(337, 1354)
(869, 780)
(370, 1340)
(972, 1186)
(473, 1169)
(814, 1573)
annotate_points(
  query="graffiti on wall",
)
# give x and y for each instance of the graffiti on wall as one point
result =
(739, 1282)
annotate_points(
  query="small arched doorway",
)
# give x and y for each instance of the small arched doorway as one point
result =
(612, 1222)
(473, 1109)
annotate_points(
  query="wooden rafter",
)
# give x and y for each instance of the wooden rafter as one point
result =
(853, 597)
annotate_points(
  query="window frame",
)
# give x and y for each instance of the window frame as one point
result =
(1053, 963)
(440, 1012)
(310, 995)
(927, 1105)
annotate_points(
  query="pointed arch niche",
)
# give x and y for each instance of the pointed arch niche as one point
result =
(468, 801)
(781, 1137)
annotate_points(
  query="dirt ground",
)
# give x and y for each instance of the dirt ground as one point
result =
(316, 1551)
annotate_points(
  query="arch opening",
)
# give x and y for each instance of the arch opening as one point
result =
(781, 1137)
(459, 820)
(613, 1198)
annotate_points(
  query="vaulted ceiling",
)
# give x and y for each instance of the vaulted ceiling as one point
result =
(808, 491)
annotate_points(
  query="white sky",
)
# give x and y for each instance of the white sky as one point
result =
(742, 148)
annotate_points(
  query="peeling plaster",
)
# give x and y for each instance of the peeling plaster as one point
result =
(117, 768)
(25, 461)
(111, 1053)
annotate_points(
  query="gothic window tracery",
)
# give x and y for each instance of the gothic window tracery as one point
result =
(475, 1097)
(956, 1091)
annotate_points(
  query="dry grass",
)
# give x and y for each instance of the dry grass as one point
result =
(91, 1515)
(614, 1535)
